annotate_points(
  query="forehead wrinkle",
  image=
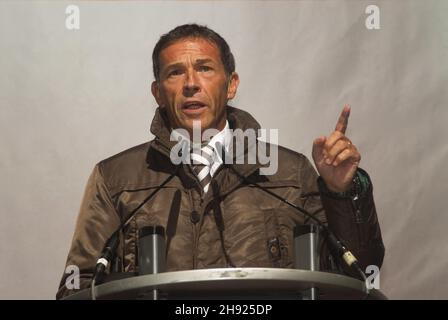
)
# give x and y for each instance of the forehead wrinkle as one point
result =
(189, 47)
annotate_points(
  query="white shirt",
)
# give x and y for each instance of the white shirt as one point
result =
(224, 137)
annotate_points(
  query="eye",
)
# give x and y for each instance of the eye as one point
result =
(174, 72)
(204, 68)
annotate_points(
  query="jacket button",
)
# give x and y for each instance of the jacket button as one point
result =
(195, 217)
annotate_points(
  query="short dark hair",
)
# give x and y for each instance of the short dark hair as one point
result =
(193, 31)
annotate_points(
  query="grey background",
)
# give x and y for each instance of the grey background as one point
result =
(71, 98)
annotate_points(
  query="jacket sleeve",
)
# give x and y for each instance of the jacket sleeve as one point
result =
(97, 220)
(354, 222)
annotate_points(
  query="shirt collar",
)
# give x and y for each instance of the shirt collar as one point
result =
(223, 137)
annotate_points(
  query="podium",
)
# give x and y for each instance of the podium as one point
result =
(233, 283)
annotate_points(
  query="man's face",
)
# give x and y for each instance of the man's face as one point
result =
(193, 85)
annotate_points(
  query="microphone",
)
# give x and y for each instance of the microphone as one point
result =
(151, 254)
(152, 250)
(335, 245)
(111, 245)
(106, 256)
(307, 257)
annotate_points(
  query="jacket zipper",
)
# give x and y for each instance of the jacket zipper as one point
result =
(358, 217)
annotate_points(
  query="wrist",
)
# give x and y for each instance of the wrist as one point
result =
(333, 189)
(354, 188)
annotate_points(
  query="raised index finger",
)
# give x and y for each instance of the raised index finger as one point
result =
(341, 126)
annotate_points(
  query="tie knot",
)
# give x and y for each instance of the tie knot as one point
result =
(202, 156)
(202, 161)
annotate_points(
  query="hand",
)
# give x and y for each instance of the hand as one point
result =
(336, 157)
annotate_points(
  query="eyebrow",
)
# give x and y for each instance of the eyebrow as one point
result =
(202, 61)
(174, 65)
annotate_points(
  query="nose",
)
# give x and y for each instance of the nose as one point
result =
(191, 84)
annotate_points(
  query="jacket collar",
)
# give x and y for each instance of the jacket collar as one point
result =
(237, 118)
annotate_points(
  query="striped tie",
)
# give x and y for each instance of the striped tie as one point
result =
(201, 164)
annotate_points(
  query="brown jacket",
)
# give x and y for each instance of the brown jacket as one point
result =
(252, 221)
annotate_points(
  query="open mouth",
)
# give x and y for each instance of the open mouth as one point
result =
(193, 105)
(194, 108)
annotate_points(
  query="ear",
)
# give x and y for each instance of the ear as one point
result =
(156, 92)
(234, 81)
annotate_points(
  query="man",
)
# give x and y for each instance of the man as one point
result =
(223, 218)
